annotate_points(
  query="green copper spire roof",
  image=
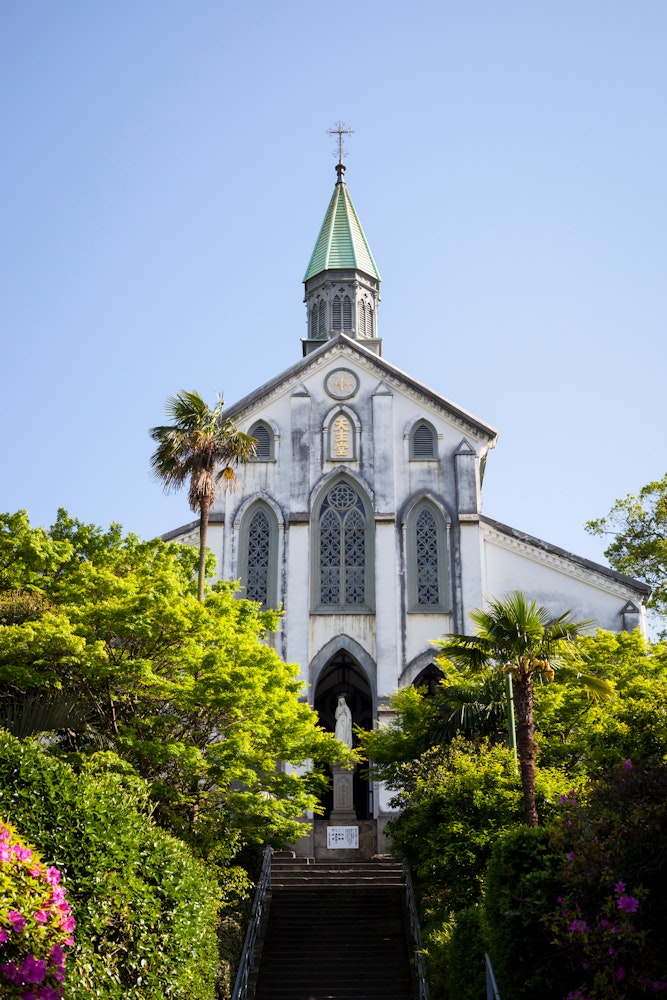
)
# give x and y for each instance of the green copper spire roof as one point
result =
(342, 244)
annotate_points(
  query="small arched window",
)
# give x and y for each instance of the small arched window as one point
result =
(362, 318)
(321, 320)
(347, 314)
(369, 322)
(336, 314)
(258, 559)
(423, 442)
(265, 441)
(427, 559)
(343, 580)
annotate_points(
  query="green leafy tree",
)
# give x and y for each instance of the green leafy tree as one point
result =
(519, 637)
(587, 736)
(192, 694)
(637, 526)
(201, 448)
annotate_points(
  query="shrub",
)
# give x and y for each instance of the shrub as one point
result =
(611, 919)
(521, 889)
(35, 922)
(465, 972)
(145, 908)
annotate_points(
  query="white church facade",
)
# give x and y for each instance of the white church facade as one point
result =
(362, 513)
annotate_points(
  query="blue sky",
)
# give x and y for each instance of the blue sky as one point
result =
(165, 171)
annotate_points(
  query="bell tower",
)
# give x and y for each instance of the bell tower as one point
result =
(342, 282)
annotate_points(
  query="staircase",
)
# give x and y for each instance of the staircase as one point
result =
(335, 932)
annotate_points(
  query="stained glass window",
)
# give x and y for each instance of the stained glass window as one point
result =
(342, 547)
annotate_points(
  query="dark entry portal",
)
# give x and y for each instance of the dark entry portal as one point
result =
(344, 676)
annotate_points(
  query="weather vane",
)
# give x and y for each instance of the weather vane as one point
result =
(340, 130)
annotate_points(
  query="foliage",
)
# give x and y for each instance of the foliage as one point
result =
(611, 921)
(469, 705)
(200, 447)
(462, 958)
(36, 924)
(518, 637)
(456, 801)
(586, 736)
(191, 694)
(145, 908)
(521, 887)
(638, 526)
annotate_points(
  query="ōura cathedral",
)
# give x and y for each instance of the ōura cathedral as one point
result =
(361, 514)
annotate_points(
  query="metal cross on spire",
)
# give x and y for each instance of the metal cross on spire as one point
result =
(340, 130)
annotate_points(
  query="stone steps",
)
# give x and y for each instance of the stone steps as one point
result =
(336, 931)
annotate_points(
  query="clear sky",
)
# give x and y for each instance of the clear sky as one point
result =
(164, 174)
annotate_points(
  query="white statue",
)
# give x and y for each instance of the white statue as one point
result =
(343, 722)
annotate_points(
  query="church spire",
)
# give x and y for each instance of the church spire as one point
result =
(342, 280)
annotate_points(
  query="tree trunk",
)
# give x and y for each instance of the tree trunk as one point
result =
(526, 746)
(203, 531)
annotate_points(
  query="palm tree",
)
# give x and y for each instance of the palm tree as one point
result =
(521, 638)
(202, 447)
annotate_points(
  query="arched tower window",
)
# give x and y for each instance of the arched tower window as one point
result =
(370, 327)
(321, 320)
(347, 314)
(428, 577)
(265, 442)
(336, 323)
(362, 318)
(313, 322)
(344, 564)
(423, 442)
(259, 556)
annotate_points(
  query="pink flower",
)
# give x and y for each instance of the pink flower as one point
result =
(22, 853)
(570, 855)
(620, 973)
(52, 875)
(5, 853)
(619, 888)
(16, 920)
(627, 765)
(627, 903)
(580, 926)
(41, 916)
(4, 936)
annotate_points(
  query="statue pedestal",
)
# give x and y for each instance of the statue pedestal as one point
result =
(343, 811)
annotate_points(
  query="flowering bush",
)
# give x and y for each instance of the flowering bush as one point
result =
(35, 922)
(611, 918)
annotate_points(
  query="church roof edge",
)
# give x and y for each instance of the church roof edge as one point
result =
(539, 543)
(340, 340)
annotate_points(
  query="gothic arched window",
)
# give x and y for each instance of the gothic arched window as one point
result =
(344, 565)
(258, 559)
(336, 323)
(362, 318)
(347, 314)
(265, 444)
(369, 322)
(321, 320)
(428, 587)
(423, 442)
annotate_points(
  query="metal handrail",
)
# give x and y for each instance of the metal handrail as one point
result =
(415, 929)
(247, 961)
(492, 991)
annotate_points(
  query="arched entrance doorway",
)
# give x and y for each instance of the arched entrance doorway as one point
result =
(344, 676)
